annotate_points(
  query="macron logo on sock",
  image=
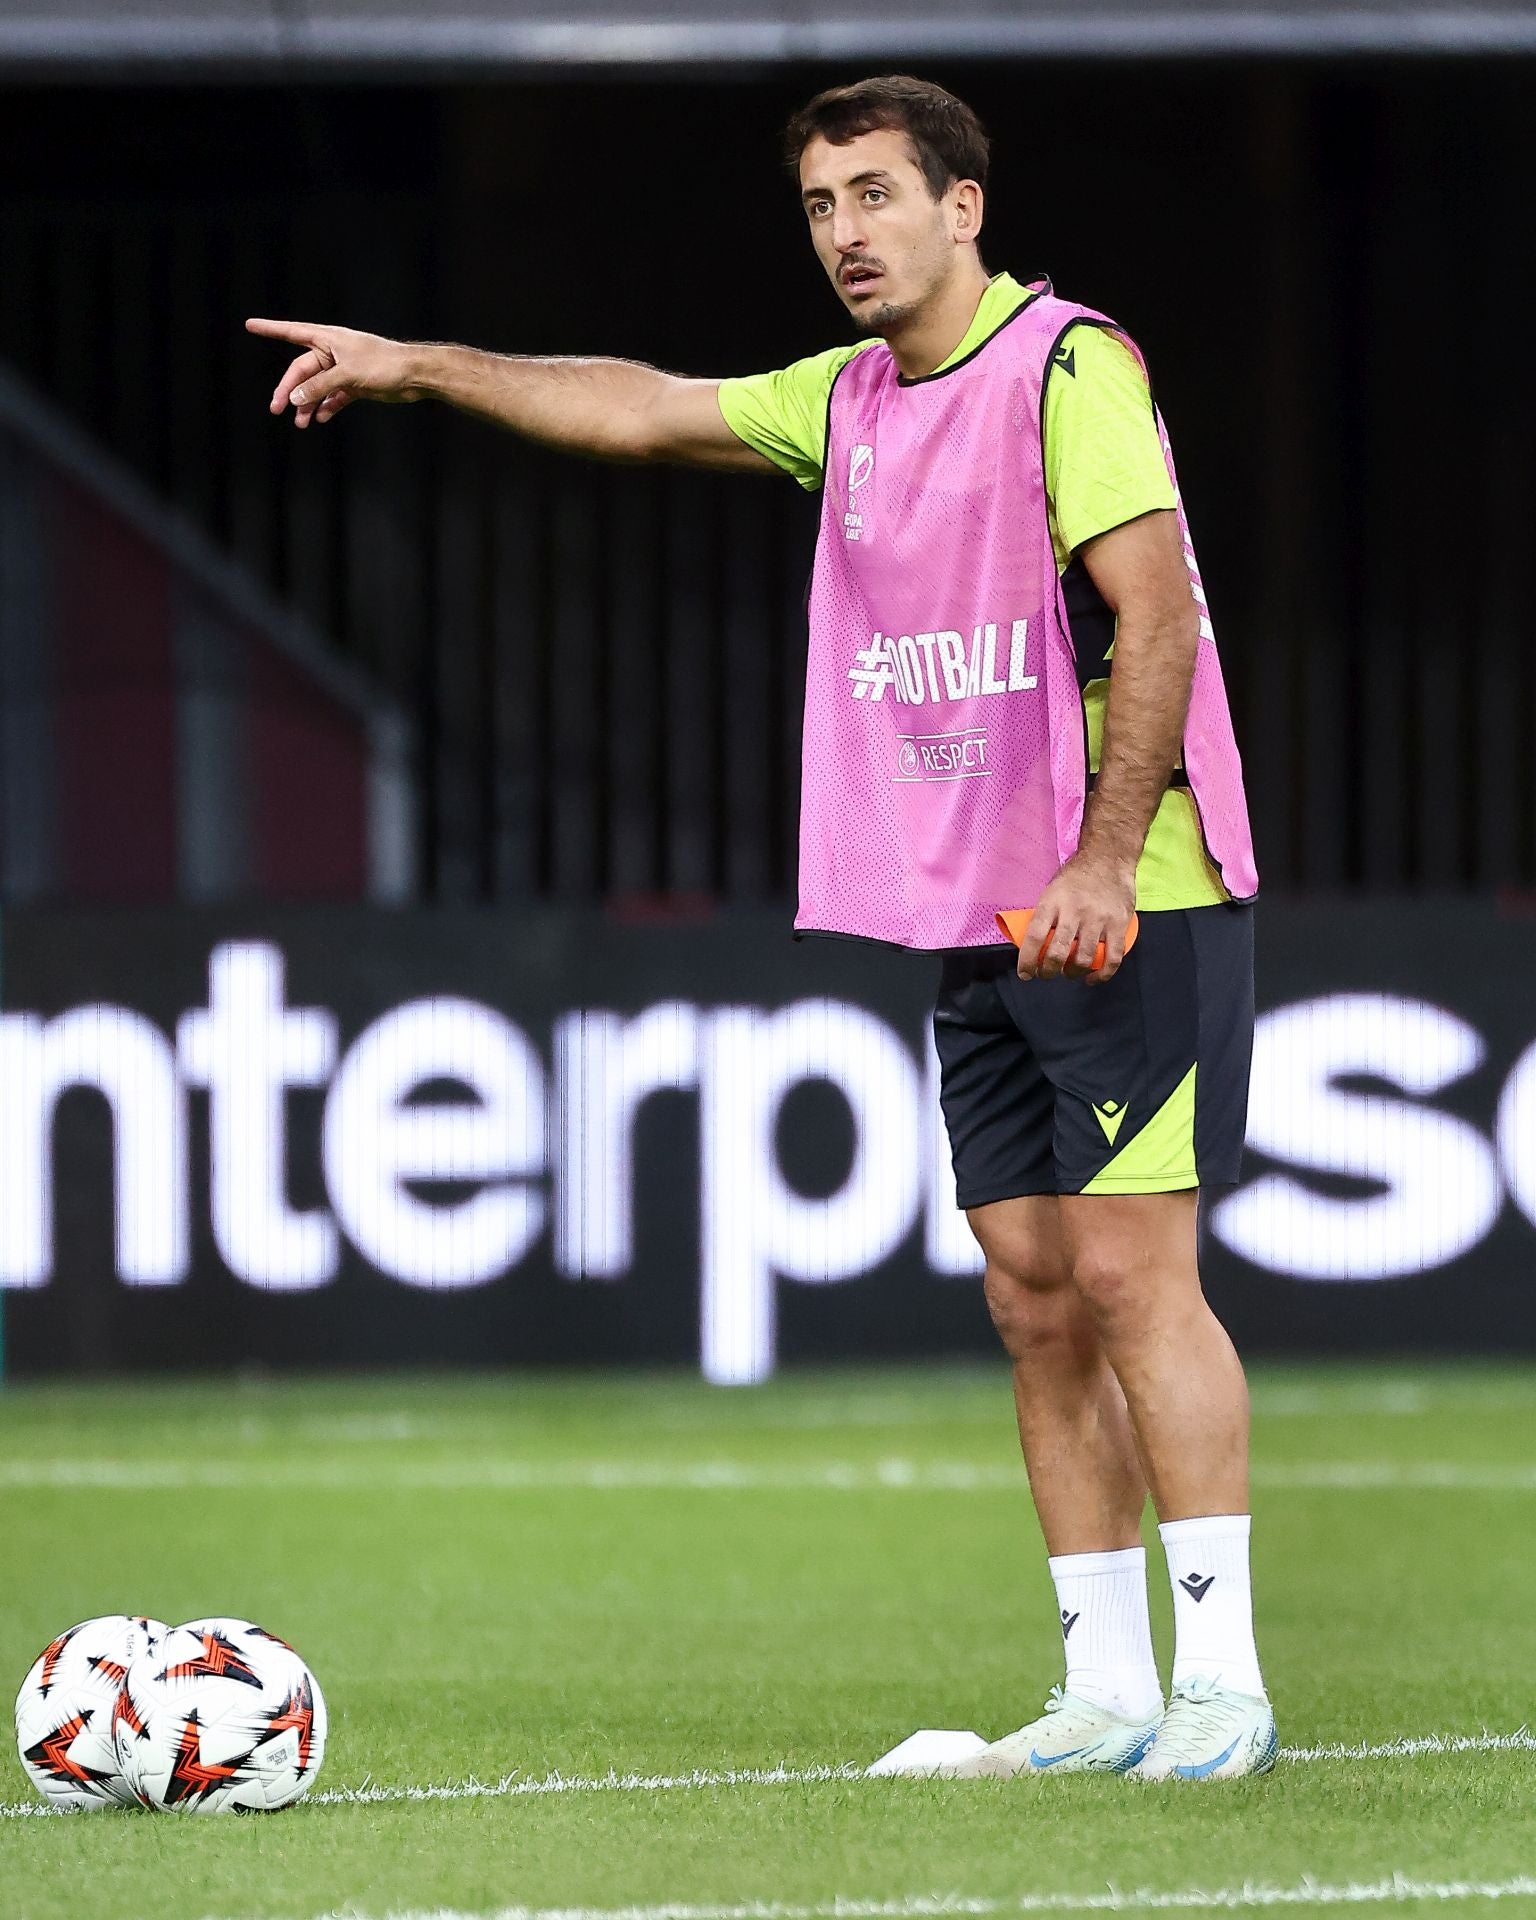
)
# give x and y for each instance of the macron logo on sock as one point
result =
(1197, 1588)
(1068, 1622)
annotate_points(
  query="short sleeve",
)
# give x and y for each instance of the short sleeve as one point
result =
(1104, 460)
(783, 415)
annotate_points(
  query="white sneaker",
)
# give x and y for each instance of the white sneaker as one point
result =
(1071, 1736)
(1211, 1732)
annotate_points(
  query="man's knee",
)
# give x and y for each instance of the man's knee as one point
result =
(1028, 1281)
(1032, 1302)
(1127, 1292)
(1105, 1280)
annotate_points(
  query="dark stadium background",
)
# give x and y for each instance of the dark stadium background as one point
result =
(248, 677)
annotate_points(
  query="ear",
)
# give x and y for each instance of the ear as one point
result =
(967, 205)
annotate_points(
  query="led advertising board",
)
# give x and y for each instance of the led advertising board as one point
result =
(351, 1136)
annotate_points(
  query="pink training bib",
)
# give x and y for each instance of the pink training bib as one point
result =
(944, 758)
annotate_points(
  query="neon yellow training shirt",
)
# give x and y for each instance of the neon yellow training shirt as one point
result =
(1103, 466)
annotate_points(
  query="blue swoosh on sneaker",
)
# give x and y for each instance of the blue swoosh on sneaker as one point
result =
(1207, 1766)
(1045, 1760)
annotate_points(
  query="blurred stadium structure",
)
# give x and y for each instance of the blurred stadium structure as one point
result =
(168, 732)
(406, 660)
(247, 35)
(1319, 257)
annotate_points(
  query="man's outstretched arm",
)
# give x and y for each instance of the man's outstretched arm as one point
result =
(610, 409)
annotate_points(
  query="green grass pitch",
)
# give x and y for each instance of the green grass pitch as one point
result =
(503, 1578)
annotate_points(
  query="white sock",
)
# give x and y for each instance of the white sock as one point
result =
(1212, 1601)
(1106, 1631)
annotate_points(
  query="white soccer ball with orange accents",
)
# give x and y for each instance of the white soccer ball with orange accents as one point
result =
(220, 1717)
(66, 1707)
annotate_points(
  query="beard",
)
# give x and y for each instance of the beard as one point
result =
(888, 317)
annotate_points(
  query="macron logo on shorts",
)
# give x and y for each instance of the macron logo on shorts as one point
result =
(1109, 1117)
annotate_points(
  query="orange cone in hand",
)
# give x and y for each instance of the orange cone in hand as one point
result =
(1014, 921)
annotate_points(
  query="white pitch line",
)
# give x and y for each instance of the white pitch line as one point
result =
(894, 1474)
(1393, 1891)
(516, 1787)
(1520, 1741)
(1378, 1476)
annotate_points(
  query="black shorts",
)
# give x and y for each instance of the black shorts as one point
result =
(1138, 1085)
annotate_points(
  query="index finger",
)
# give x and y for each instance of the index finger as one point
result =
(1030, 944)
(300, 332)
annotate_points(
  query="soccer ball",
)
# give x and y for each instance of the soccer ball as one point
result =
(220, 1717)
(65, 1710)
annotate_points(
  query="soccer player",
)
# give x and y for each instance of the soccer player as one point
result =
(1013, 700)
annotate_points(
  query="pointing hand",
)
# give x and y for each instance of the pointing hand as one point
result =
(338, 365)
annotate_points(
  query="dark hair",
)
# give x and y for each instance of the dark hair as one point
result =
(948, 140)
